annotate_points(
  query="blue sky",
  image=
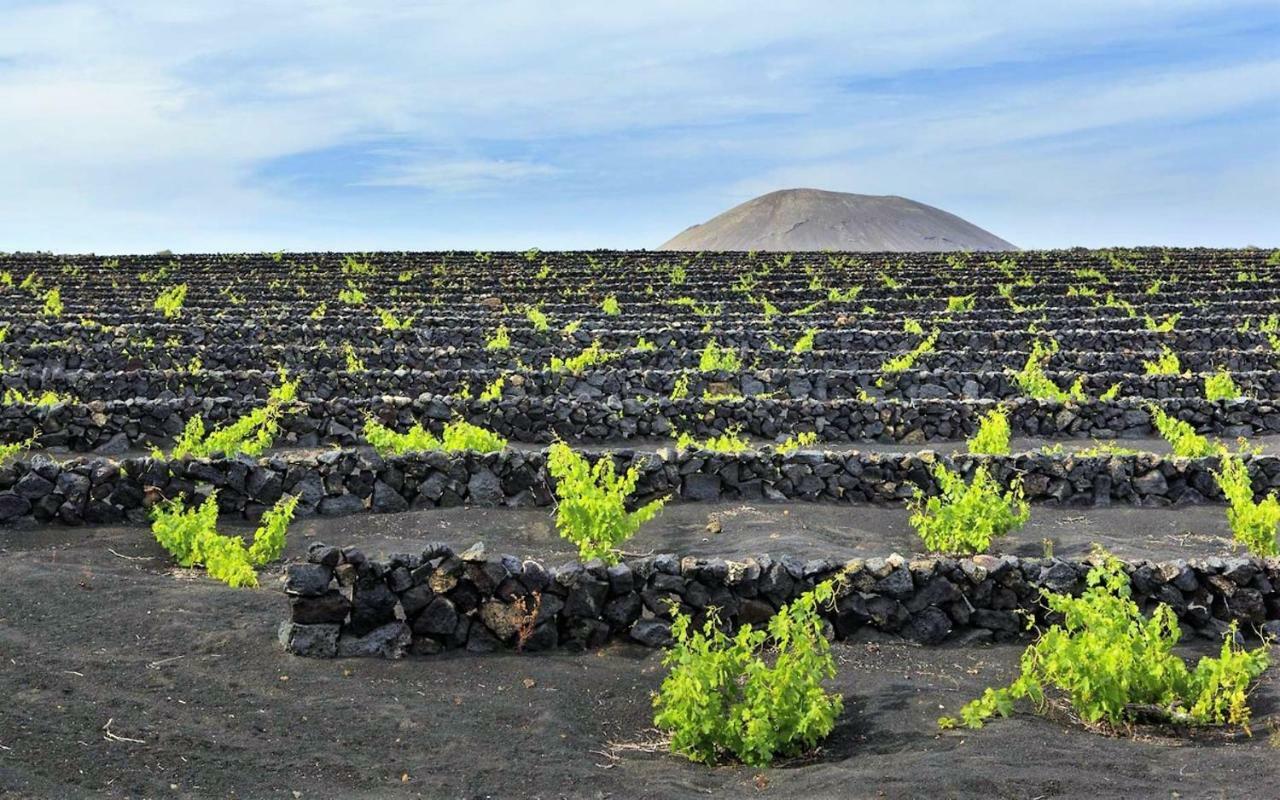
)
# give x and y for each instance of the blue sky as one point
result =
(225, 125)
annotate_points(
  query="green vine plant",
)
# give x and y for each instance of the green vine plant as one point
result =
(498, 340)
(610, 306)
(14, 449)
(52, 303)
(1255, 525)
(1182, 436)
(388, 321)
(190, 535)
(731, 441)
(169, 302)
(1165, 325)
(1221, 386)
(592, 502)
(42, 399)
(593, 355)
(493, 392)
(805, 343)
(905, 361)
(796, 441)
(1034, 383)
(352, 295)
(1166, 364)
(249, 435)
(715, 358)
(457, 436)
(537, 319)
(966, 516)
(723, 696)
(1114, 667)
(992, 438)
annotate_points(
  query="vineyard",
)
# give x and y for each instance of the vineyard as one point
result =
(519, 485)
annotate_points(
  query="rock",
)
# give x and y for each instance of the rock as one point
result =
(387, 641)
(330, 608)
(341, 506)
(1006, 621)
(700, 487)
(371, 607)
(12, 506)
(323, 554)
(485, 489)
(652, 632)
(387, 500)
(439, 618)
(307, 580)
(929, 626)
(897, 584)
(313, 641)
(115, 446)
(503, 620)
(1151, 483)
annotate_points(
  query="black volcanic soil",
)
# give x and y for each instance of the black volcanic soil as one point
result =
(95, 627)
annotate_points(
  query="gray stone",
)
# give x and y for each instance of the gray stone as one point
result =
(307, 580)
(330, 608)
(387, 641)
(485, 489)
(652, 632)
(314, 641)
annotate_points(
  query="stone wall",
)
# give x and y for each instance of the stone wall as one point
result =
(341, 482)
(344, 604)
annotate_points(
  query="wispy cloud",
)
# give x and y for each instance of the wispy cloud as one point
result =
(459, 176)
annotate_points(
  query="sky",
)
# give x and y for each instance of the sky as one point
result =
(220, 125)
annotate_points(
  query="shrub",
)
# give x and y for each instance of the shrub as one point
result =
(493, 391)
(1115, 666)
(592, 512)
(352, 295)
(1254, 525)
(992, 438)
(1182, 437)
(457, 436)
(1033, 381)
(643, 345)
(1166, 364)
(388, 321)
(249, 435)
(169, 302)
(805, 343)
(965, 517)
(500, 340)
(352, 360)
(680, 389)
(721, 696)
(730, 441)
(43, 399)
(715, 358)
(1163, 326)
(8, 451)
(1221, 386)
(963, 303)
(906, 361)
(592, 355)
(191, 537)
(52, 306)
(537, 319)
(796, 441)
(610, 306)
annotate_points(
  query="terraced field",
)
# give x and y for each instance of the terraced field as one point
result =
(842, 381)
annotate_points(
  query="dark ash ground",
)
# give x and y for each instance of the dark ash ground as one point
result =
(95, 627)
